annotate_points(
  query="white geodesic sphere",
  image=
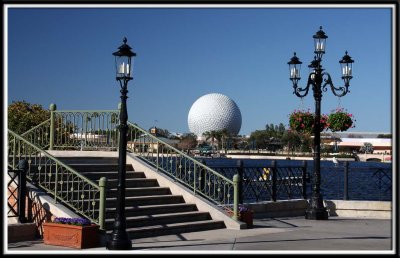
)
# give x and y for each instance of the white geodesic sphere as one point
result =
(214, 112)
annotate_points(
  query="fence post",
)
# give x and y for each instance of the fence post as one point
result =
(52, 108)
(14, 151)
(274, 179)
(346, 182)
(23, 168)
(304, 179)
(240, 184)
(202, 178)
(102, 202)
(194, 178)
(236, 183)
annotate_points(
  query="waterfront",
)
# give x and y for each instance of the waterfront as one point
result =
(366, 180)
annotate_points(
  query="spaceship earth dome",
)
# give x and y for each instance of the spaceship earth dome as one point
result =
(214, 112)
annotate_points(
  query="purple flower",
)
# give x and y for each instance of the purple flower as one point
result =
(243, 208)
(73, 221)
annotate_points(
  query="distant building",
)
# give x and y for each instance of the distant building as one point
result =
(381, 145)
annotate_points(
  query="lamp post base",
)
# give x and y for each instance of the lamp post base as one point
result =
(119, 244)
(316, 209)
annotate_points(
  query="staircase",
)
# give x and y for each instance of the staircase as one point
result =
(151, 210)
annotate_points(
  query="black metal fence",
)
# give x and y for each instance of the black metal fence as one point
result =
(16, 198)
(284, 180)
(349, 182)
(268, 183)
(279, 181)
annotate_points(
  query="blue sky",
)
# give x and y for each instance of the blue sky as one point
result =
(64, 56)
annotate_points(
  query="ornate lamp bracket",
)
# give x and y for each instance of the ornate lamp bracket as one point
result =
(339, 92)
(302, 92)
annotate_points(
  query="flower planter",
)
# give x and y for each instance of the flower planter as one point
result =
(247, 217)
(79, 237)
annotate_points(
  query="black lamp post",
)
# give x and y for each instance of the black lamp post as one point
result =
(123, 64)
(319, 80)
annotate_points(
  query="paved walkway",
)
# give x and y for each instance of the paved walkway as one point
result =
(280, 235)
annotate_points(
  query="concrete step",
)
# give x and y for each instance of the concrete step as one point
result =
(112, 183)
(129, 192)
(145, 200)
(175, 228)
(90, 160)
(133, 182)
(96, 167)
(84, 167)
(140, 191)
(161, 219)
(94, 176)
(150, 210)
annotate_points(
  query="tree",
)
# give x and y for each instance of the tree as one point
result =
(188, 141)
(225, 135)
(260, 138)
(384, 136)
(292, 139)
(367, 148)
(213, 135)
(22, 116)
(354, 136)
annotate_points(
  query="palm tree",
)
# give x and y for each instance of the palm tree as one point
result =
(225, 134)
(211, 135)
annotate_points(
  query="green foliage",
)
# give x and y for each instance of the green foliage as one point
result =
(367, 148)
(188, 141)
(22, 116)
(291, 139)
(388, 136)
(303, 121)
(340, 121)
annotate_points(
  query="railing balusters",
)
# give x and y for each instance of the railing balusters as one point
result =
(346, 180)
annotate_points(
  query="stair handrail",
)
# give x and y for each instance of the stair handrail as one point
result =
(75, 190)
(34, 134)
(170, 161)
(192, 173)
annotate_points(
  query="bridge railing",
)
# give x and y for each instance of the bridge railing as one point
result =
(269, 182)
(201, 179)
(348, 182)
(61, 181)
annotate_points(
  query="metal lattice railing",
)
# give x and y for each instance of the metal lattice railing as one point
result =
(58, 179)
(184, 169)
(356, 183)
(39, 135)
(98, 130)
(269, 182)
(85, 130)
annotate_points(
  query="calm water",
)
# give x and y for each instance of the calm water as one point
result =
(366, 180)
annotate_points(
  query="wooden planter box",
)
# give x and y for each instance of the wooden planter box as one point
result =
(247, 217)
(71, 236)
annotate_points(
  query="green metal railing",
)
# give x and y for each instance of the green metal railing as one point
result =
(98, 130)
(85, 130)
(184, 169)
(39, 135)
(63, 182)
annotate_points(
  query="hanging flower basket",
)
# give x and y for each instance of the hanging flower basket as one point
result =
(71, 232)
(303, 121)
(340, 120)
